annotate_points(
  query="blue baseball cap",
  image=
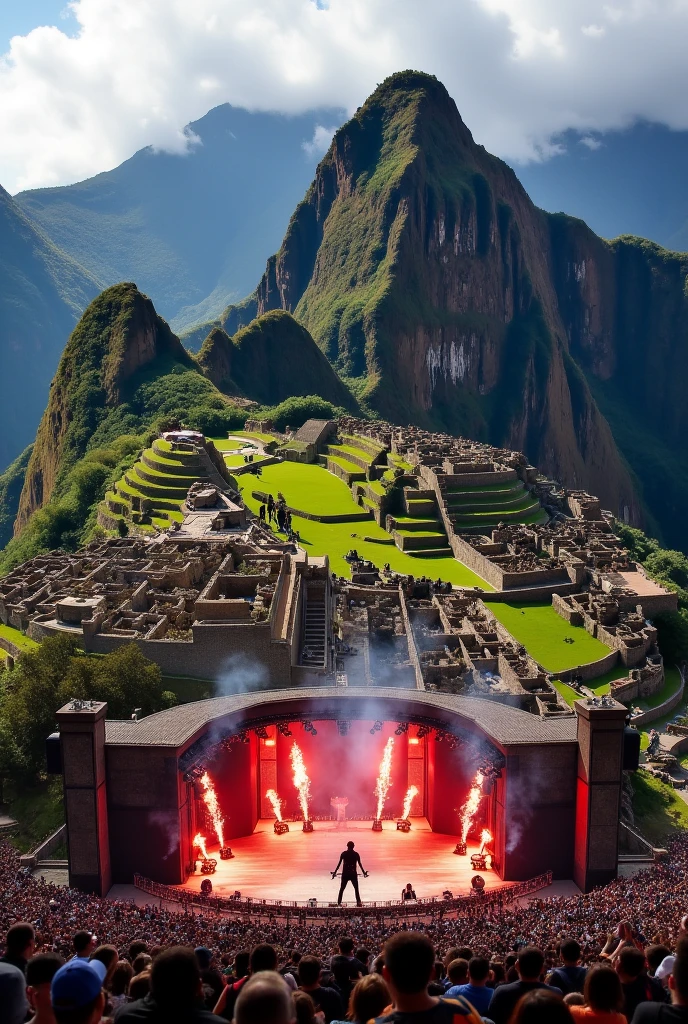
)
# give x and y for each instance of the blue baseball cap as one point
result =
(77, 983)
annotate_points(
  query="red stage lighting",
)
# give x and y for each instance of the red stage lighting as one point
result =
(414, 741)
(269, 743)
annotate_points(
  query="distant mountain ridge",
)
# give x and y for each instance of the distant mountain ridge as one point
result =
(192, 230)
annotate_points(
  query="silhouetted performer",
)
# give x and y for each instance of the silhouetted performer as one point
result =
(350, 860)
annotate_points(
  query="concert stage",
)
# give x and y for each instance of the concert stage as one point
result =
(297, 865)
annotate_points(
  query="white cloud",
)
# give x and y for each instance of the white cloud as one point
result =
(521, 71)
(590, 141)
(320, 143)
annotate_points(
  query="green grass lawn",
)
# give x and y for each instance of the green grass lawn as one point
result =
(542, 632)
(349, 449)
(659, 810)
(306, 487)
(17, 638)
(39, 810)
(602, 684)
(313, 489)
(567, 692)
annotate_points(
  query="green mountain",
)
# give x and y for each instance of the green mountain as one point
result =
(42, 294)
(271, 359)
(123, 376)
(122, 371)
(445, 298)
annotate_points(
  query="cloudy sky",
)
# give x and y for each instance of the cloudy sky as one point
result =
(83, 86)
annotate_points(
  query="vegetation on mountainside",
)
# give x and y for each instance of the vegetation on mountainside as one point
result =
(11, 482)
(45, 679)
(42, 294)
(272, 359)
(670, 568)
(658, 810)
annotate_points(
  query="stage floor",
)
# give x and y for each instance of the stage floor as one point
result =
(297, 865)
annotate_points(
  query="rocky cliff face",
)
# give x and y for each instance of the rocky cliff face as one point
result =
(119, 334)
(271, 359)
(420, 266)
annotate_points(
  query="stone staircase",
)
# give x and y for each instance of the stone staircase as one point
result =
(314, 643)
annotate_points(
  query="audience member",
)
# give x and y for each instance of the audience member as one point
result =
(84, 943)
(262, 958)
(529, 965)
(40, 971)
(570, 977)
(19, 945)
(457, 973)
(12, 994)
(139, 986)
(326, 999)
(603, 997)
(677, 1012)
(304, 1007)
(175, 993)
(476, 991)
(637, 986)
(541, 1006)
(77, 993)
(119, 985)
(265, 999)
(408, 967)
(369, 999)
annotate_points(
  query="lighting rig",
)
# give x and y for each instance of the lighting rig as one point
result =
(403, 825)
(377, 727)
(280, 827)
(343, 726)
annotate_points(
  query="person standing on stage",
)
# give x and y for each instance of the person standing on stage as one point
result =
(350, 861)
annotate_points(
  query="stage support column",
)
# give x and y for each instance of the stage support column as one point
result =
(598, 793)
(82, 741)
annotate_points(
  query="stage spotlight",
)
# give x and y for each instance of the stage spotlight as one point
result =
(403, 825)
(377, 825)
(261, 732)
(226, 853)
(206, 887)
(280, 827)
(208, 865)
(447, 894)
(377, 726)
(423, 730)
(343, 727)
(477, 883)
(283, 729)
(461, 849)
(308, 826)
(401, 729)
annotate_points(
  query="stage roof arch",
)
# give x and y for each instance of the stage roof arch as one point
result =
(184, 725)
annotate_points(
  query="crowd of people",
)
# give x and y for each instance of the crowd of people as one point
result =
(618, 954)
